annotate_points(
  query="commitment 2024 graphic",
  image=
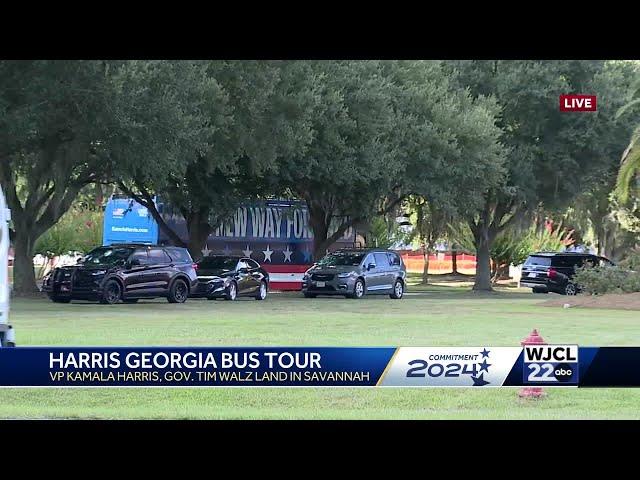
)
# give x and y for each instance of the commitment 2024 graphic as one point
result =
(476, 367)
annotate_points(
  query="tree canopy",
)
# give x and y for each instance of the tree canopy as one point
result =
(479, 141)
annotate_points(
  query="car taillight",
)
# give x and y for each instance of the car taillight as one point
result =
(552, 273)
(195, 266)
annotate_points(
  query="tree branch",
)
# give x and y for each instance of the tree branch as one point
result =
(9, 187)
(146, 200)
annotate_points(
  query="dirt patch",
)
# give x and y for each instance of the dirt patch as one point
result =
(624, 301)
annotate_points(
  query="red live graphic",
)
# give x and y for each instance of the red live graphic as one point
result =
(578, 103)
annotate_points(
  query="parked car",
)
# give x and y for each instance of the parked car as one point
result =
(355, 273)
(125, 272)
(229, 277)
(546, 272)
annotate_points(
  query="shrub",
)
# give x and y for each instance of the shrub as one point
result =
(600, 280)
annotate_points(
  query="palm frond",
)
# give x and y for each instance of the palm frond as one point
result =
(629, 168)
(627, 107)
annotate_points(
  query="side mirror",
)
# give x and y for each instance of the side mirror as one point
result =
(371, 266)
(243, 270)
(134, 262)
(80, 260)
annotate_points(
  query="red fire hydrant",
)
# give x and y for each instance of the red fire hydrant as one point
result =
(534, 338)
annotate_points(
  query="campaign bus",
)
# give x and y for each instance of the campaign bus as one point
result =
(275, 233)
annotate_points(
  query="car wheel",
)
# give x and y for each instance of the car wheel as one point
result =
(112, 293)
(540, 290)
(262, 291)
(570, 289)
(178, 292)
(358, 289)
(398, 290)
(56, 299)
(130, 300)
(232, 292)
(309, 295)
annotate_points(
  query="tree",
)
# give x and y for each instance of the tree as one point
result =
(595, 210)
(254, 116)
(630, 162)
(430, 225)
(50, 116)
(348, 165)
(66, 124)
(386, 130)
(79, 230)
(552, 156)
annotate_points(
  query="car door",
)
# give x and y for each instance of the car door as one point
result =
(384, 271)
(135, 276)
(371, 277)
(243, 278)
(254, 273)
(394, 266)
(160, 272)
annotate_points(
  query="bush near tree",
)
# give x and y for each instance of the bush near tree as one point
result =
(601, 280)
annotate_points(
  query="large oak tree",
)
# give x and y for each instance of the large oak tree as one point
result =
(66, 124)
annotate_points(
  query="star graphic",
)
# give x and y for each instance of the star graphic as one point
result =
(247, 252)
(287, 254)
(307, 256)
(485, 353)
(267, 254)
(227, 250)
(484, 366)
(479, 381)
(206, 251)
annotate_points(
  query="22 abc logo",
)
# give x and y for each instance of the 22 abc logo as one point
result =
(551, 364)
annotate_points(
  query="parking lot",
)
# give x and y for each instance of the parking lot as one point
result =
(434, 315)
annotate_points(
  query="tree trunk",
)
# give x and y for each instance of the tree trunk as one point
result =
(454, 262)
(319, 223)
(425, 270)
(320, 233)
(501, 272)
(601, 242)
(198, 235)
(24, 277)
(483, 260)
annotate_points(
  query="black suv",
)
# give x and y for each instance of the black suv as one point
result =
(553, 272)
(125, 272)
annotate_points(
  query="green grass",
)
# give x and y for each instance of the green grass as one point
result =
(434, 316)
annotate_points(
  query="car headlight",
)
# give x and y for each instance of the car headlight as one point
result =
(344, 275)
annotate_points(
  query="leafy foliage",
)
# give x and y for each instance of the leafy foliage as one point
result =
(79, 230)
(631, 260)
(385, 233)
(546, 147)
(601, 280)
(628, 180)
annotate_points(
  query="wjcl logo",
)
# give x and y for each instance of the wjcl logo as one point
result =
(551, 364)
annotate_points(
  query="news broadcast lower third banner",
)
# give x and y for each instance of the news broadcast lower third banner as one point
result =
(484, 366)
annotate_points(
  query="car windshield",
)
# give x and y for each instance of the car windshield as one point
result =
(342, 258)
(107, 256)
(221, 263)
(541, 261)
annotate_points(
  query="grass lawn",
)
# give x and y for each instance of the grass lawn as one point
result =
(435, 315)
